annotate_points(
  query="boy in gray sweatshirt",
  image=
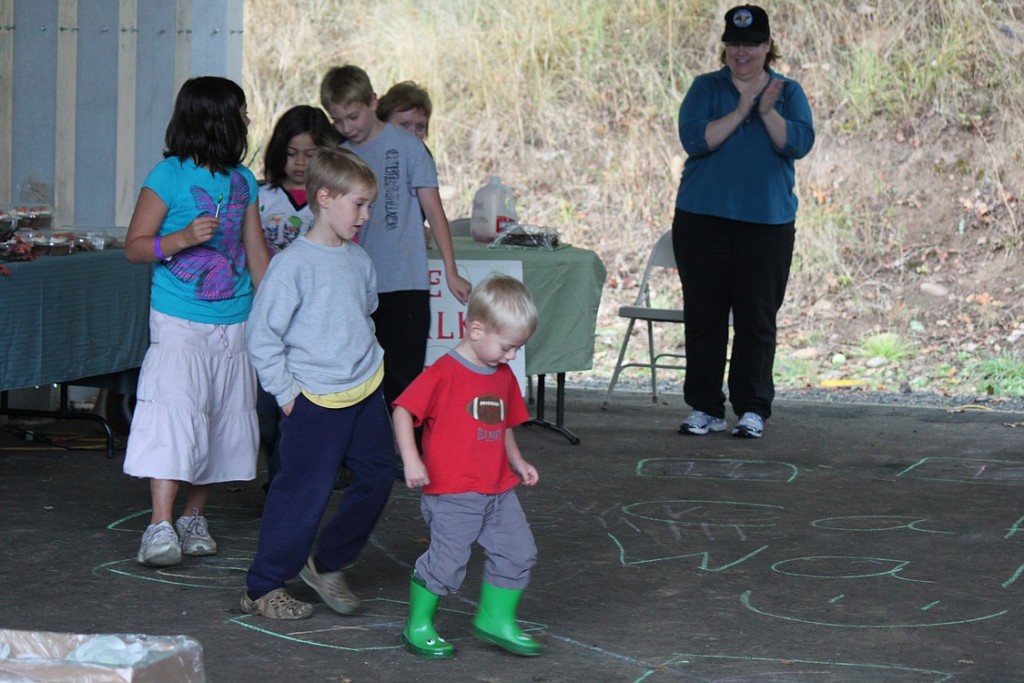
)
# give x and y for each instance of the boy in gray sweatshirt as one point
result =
(311, 339)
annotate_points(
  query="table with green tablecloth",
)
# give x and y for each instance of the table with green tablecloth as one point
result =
(566, 286)
(84, 318)
(80, 319)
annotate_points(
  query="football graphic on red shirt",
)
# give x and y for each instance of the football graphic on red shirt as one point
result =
(489, 409)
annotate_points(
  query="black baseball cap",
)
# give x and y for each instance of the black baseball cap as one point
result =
(746, 24)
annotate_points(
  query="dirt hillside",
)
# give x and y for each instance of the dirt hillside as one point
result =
(948, 278)
(940, 264)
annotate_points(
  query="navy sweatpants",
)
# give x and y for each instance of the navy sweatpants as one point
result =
(315, 443)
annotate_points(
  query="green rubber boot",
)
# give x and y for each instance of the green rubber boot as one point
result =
(419, 636)
(495, 621)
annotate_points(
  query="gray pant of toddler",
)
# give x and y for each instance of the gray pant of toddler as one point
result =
(457, 521)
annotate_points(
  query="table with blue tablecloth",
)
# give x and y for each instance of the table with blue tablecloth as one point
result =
(79, 319)
(566, 285)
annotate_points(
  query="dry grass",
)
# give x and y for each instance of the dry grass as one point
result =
(574, 103)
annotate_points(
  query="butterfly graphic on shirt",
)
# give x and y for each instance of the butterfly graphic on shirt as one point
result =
(214, 266)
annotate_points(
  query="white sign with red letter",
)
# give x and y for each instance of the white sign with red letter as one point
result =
(448, 316)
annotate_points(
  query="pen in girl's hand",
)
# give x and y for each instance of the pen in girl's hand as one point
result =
(220, 198)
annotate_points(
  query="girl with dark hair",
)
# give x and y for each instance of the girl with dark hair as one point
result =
(286, 216)
(284, 209)
(197, 219)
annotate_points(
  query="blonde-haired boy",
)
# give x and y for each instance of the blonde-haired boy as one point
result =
(311, 340)
(468, 401)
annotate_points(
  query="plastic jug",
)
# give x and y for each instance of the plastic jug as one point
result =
(494, 209)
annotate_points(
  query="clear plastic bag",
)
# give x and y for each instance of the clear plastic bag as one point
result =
(48, 657)
(525, 236)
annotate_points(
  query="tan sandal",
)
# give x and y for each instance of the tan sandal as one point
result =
(277, 604)
(331, 587)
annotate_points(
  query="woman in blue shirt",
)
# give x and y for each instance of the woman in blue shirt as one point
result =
(742, 128)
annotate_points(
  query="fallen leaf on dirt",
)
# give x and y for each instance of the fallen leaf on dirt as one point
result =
(984, 298)
(839, 383)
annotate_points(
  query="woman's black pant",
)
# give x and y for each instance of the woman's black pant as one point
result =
(743, 268)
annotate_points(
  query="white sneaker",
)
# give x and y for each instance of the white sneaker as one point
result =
(160, 546)
(698, 422)
(195, 536)
(750, 426)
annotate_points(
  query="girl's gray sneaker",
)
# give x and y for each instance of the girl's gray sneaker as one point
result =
(195, 536)
(160, 547)
(699, 422)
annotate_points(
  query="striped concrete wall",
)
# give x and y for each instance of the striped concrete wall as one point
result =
(86, 89)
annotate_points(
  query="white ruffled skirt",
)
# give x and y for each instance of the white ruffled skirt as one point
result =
(195, 415)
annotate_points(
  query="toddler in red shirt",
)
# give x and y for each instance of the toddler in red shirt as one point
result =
(467, 403)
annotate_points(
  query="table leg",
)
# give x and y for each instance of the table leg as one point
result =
(64, 413)
(559, 424)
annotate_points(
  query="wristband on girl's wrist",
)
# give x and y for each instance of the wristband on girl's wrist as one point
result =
(158, 251)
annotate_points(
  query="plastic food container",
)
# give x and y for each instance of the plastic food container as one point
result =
(34, 216)
(8, 225)
(51, 243)
(94, 241)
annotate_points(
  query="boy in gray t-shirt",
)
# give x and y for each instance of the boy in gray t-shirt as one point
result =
(393, 237)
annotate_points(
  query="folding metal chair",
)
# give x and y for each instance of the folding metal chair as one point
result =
(662, 257)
